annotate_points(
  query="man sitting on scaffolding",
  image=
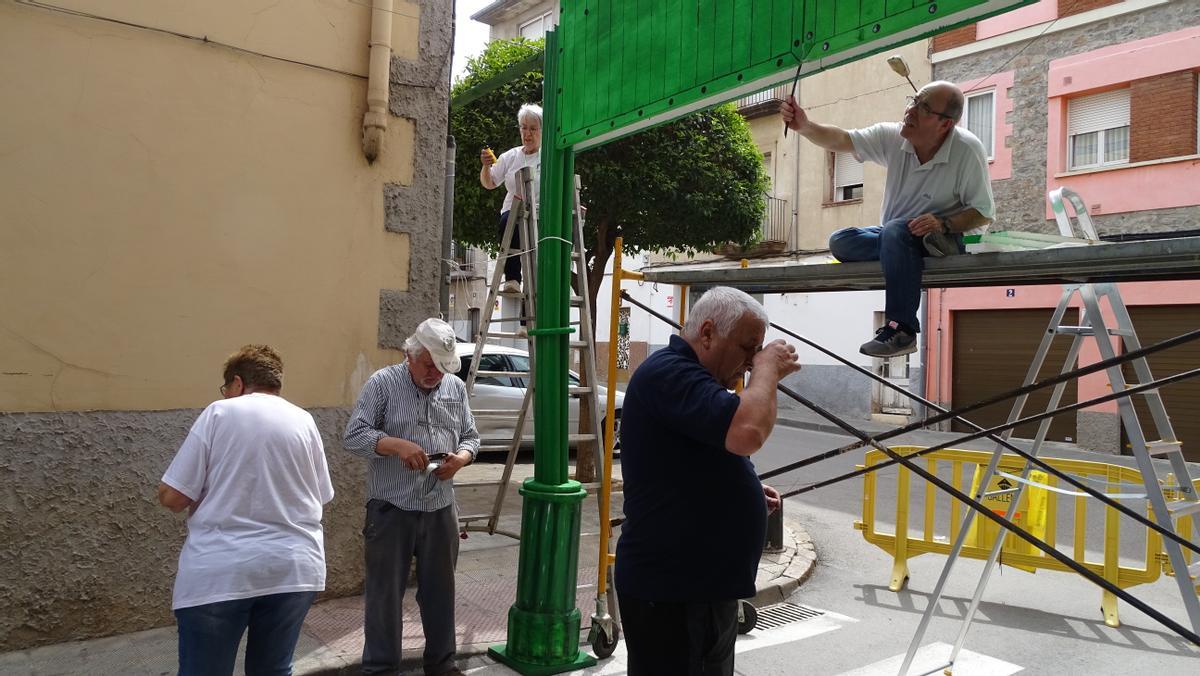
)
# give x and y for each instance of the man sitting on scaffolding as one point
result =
(937, 188)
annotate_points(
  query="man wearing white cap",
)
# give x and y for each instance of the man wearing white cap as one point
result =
(414, 425)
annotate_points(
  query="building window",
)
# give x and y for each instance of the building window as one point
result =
(847, 177)
(1098, 130)
(536, 28)
(979, 118)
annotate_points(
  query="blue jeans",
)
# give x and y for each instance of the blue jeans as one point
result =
(902, 256)
(209, 634)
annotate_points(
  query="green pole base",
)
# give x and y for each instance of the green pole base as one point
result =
(500, 654)
(544, 624)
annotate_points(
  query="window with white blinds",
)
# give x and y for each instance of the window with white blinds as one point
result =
(1098, 130)
(537, 27)
(980, 118)
(847, 177)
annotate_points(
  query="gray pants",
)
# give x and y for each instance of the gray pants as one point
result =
(393, 537)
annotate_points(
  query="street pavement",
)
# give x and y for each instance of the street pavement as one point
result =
(843, 620)
(1047, 622)
(486, 581)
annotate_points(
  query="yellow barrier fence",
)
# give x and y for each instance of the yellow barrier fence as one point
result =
(942, 517)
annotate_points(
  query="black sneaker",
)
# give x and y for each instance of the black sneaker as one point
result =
(890, 341)
(940, 245)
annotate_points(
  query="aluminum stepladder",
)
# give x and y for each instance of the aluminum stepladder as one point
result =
(525, 219)
(1092, 325)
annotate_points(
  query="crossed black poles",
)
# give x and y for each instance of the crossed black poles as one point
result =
(944, 414)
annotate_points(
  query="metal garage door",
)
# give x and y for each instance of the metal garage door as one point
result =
(1155, 323)
(992, 352)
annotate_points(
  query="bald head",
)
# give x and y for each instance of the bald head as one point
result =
(944, 97)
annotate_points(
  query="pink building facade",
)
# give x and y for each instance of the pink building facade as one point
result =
(1100, 97)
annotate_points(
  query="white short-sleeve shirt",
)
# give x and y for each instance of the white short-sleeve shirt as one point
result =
(506, 168)
(955, 179)
(255, 467)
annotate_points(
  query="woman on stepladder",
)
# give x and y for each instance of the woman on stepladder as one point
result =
(503, 169)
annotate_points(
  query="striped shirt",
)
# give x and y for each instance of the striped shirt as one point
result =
(391, 405)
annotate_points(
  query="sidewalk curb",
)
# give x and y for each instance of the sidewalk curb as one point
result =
(796, 564)
(799, 568)
(827, 428)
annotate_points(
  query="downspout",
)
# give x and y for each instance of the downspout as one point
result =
(375, 120)
(448, 231)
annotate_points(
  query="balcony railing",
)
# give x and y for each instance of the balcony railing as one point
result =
(764, 102)
(777, 221)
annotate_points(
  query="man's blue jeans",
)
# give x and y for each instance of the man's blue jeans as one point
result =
(209, 634)
(902, 256)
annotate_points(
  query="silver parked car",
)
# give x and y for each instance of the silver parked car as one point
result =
(507, 393)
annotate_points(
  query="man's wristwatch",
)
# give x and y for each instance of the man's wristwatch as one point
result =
(945, 225)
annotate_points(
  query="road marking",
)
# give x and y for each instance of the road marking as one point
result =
(931, 658)
(795, 631)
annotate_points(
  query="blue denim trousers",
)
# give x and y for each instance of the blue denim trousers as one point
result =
(902, 256)
(209, 634)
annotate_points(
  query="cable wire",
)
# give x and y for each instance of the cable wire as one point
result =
(187, 36)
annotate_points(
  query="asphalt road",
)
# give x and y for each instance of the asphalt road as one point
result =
(1048, 622)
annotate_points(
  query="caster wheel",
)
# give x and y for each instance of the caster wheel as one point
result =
(747, 617)
(602, 645)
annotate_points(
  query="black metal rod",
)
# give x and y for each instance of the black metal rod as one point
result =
(1026, 389)
(1155, 384)
(1099, 495)
(1010, 526)
(978, 506)
(1029, 457)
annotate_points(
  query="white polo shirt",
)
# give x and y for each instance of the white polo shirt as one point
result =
(255, 467)
(955, 179)
(506, 168)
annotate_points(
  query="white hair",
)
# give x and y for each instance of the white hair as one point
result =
(725, 306)
(413, 347)
(530, 110)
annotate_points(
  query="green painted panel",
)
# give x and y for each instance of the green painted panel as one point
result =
(672, 43)
(740, 37)
(873, 10)
(633, 63)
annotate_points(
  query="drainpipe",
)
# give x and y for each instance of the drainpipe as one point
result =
(448, 228)
(378, 79)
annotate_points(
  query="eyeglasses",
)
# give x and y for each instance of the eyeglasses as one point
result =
(924, 107)
(224, 388)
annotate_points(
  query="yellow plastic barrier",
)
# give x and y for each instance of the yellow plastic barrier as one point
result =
(943, 517)
(1030, 515)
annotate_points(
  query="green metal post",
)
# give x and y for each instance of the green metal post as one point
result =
(544, 624)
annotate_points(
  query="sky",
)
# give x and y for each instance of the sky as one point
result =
(470, 37)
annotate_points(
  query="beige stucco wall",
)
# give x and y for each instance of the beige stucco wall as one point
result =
(164, 200)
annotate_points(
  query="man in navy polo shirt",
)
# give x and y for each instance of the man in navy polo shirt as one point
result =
(695, 511)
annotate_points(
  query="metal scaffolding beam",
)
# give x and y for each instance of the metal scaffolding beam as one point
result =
(1156, 260)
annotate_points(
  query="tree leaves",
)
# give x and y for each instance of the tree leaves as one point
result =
(688, 185)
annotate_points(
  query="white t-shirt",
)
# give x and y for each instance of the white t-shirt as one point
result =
(955, 179)
(255, 467)
(507, 166)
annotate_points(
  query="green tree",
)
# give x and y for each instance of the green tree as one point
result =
(685, 186)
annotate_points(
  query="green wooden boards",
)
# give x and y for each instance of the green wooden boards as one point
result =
(631, 64)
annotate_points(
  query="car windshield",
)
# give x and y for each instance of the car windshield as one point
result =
(521, 363)
(488, 362)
